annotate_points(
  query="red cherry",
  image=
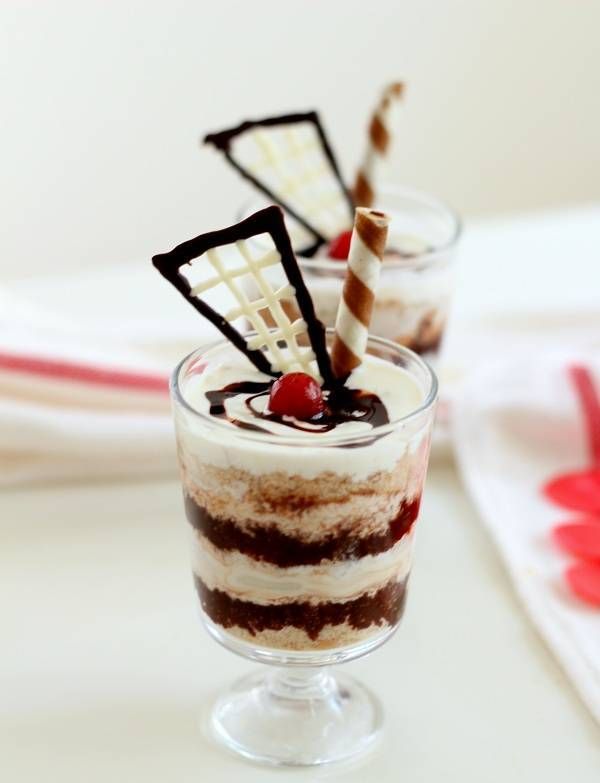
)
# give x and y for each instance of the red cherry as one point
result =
(296, 394)
(339, 248)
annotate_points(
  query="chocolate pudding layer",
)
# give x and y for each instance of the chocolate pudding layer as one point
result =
(326, 564)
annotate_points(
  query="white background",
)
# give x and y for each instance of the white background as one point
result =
(103, 104)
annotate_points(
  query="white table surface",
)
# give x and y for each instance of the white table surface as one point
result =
(106, 672)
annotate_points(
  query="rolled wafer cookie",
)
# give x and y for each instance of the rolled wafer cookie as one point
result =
(378, 145)
(367, 247)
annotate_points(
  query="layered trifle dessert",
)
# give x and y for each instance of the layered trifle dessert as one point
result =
(301, 528)
(302, 453)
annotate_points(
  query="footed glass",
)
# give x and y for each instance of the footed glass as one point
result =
(301, 553)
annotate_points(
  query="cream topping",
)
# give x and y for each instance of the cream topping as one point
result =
(398, 390)
(205, 440)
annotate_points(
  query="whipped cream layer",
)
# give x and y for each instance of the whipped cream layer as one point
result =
(424, 288)
(207, 440)
(246, 579)
(397, 389)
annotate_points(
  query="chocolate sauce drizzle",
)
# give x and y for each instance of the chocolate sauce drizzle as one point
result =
(265, 221)
(222, 140)
(342, 405)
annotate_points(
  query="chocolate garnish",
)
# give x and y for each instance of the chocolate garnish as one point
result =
(267, 221)
(225, 142)
(342, 405)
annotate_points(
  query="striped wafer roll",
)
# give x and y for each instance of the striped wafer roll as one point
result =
(354, 313)
(378, 144)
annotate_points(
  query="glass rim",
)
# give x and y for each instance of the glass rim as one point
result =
(423, 259)
(291, 440)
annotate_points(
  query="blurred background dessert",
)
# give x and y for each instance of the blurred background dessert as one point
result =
(290, 160)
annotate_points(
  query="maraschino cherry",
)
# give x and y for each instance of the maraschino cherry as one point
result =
(296, 394)
(339, 248)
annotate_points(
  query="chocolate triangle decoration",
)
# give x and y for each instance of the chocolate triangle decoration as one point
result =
(290, 160)
(254, 260)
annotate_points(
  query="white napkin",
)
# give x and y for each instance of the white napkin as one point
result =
(53, 427)
(516, 423)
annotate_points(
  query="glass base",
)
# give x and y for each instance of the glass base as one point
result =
(297, 717)
(300, 658)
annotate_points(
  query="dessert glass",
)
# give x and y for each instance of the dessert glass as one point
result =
(415, 290)
(301, 554)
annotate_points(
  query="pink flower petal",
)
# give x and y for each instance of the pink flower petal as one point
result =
(579, 491)
(580, 539)
(584, 581)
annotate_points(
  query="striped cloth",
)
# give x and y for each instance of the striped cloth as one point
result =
(79, 404)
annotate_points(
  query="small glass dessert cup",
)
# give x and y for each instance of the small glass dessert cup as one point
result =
(417, 275)
(301, 553)
(416, 282)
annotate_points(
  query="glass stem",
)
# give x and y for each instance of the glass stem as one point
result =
(300, 683)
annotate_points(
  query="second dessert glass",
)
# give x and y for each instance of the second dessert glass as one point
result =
(301, 554)
(417, 275)
(416, 282)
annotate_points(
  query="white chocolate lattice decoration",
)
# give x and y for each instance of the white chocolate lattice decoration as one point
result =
(262, 278)
(291, 161)
(293, 357)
